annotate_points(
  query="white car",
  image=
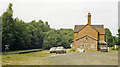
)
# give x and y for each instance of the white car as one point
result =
(53, 50)
(103, 48)
(60, 50)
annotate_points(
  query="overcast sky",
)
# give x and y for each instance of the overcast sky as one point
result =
(66, 13)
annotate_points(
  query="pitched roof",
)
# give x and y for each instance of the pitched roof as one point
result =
(77, 28)
(87, 36)
(101, 31)
(102, 42)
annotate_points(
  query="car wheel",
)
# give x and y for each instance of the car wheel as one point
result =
(59, 52)
(56, 52)
(65, 51)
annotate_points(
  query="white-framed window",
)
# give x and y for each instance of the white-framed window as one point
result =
(86, 41)
(92, 46)
(85, 45)
(82, 45)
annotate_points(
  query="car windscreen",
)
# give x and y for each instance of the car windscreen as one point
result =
(52, 48)
(59, 48)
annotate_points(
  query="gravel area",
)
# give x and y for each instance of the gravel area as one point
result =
(85, 58)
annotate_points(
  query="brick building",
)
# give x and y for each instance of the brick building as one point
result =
(89, 37)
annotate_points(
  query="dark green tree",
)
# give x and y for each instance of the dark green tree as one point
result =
(111, 40)
(51, 39)
(67, 36)
(55, 38)
(33, 35)
(115, 40)
(8, 28)
(38, 30)
(22, 36)
(118, 36)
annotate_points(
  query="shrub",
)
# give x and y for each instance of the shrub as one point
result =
(113, 48)
(116, 48)
(72, 50)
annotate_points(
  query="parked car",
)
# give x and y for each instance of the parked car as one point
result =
(60, 50)
(103, 48)
(53, 50)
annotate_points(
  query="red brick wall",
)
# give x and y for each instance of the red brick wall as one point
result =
(75, 36)
(88, 30)
(102, 37)
(88, 44)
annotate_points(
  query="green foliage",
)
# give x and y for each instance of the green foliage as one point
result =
(37, 30)
(20, 35)
(8, 28)
(118, 37)
(66, 37)
(72, 50)
(50, 39)
(117, 48)
(15, 32)
(9, 10)
(55, 38)
(111, 40)
(113, 48)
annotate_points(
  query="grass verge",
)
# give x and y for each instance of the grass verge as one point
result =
(35, 58)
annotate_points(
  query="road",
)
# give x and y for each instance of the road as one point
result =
(85, 58)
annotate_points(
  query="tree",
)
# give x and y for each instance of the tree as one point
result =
(51, 39)
(0, 33)
(111, 40)
(115, 40)
(38, 30)
(119, 36)
(20, 35)
(55, 38)
(67, 36)
(8, 28)
(14, 32)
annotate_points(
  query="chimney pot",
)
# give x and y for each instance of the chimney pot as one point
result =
(89, 18)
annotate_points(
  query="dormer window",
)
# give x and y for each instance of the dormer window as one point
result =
(86, 41)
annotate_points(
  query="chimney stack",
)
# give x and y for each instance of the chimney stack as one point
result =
(89, 18)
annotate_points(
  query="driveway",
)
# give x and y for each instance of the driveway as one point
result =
(85, 58)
